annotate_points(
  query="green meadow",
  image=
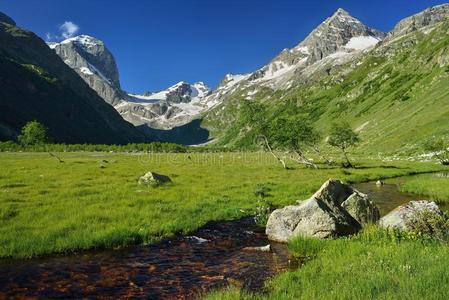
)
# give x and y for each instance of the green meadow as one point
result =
(92, 200)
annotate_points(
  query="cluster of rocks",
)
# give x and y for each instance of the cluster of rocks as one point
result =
(337, 209)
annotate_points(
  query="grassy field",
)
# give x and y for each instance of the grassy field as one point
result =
(437, 188)
(92, 200)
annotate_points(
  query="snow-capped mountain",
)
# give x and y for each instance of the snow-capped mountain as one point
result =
(334, 41)
(175, 106)
(90, 58)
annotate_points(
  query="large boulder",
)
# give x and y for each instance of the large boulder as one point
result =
(361, 208)
(323, 215)
(153, 179)
(400, 217)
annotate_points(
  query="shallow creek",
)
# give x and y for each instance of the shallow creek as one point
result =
(181, 268)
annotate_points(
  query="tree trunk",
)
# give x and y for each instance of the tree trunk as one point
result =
(326, 160)
(267, 144)
(348, 162)
(303, 160)
(53, 155)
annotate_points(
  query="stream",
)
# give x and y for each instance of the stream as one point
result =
(180, 268)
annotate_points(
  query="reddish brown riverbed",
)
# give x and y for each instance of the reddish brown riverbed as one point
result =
(181, 268)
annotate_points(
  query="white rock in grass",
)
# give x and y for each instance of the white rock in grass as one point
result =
(153, 179)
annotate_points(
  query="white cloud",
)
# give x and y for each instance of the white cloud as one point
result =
(67, 30)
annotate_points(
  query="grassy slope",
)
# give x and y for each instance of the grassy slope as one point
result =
(47, 207)
(398, 93)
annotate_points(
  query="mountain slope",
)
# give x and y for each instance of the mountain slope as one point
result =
(395, 93)
(36, 84)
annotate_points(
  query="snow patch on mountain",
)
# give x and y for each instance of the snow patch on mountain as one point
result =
(84, 41)
(362, 42)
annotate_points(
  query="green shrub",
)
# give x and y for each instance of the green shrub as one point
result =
(429, 225)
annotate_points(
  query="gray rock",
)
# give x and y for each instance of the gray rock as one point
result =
(321, 216)
(399, 217)
(361, 208)
(153, 179)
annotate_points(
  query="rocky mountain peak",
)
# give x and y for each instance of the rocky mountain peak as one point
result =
(341, 15)
(90, 54)
(337, 35)
(90, 58)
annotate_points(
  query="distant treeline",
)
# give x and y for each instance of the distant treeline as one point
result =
(10, 146)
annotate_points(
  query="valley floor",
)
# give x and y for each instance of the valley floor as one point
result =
(93, 200)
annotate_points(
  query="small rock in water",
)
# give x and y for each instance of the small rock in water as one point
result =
(379, 183)
(266, 248)
(197, 239)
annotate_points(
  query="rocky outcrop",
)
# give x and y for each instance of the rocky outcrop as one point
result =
(427, 17)
(323, 215)
(400, 217)
(90, 58)
(153, 179)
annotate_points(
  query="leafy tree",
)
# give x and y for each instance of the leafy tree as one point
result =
(33, 133)
(254, 116)
(439, 148)
(294, 134)
(343, 137)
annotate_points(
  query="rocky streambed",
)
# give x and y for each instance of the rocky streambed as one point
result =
(180, 268)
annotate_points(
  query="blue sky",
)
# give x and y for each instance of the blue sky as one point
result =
(160, 42)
